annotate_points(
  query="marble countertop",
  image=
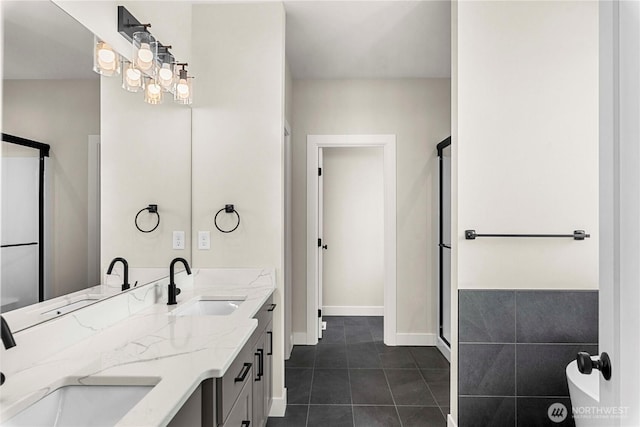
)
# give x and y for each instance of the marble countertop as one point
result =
(31, 315)
(151, 346)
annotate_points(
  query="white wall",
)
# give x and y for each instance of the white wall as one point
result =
(62, 113)
(288, 92)
(353, 228)
(417, 112)
(528, 143)
(238, 132)
(145, 159)
(525, 146)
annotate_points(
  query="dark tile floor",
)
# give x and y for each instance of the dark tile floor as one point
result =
(352, 379)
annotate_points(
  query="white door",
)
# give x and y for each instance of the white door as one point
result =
(620, 211)
(321, 244)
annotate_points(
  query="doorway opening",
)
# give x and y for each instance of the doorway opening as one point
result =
(315, 245)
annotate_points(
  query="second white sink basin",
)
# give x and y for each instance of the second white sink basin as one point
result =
(81, 405)
(209, 307)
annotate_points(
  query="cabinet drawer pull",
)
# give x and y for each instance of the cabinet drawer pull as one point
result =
(270, 343)
(243, 374)
(272, 307)
(246, 424)
(260, 354)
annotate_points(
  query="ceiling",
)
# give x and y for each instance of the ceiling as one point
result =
(42, 42)
(325, 40)
(368, 39)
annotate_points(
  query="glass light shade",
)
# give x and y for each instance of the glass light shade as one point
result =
(106, 61)
(145, 51)
(132, 79)
(183, 93)
(166, 76)
(153, 92)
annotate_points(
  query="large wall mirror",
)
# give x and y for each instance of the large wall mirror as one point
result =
(50, 96)
(110, 155)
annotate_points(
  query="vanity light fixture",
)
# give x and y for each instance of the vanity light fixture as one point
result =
(166, 72)
(152, 69)
(153, 91)
(132, 78)
(105, 60)
(183, 93)
(145, 51)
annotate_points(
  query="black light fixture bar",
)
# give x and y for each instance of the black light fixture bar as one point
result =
(577, 235)
(128, 24)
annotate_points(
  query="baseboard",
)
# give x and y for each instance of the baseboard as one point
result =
(299, 338)
(444, 349)
(450, 421)
(416, 339)
(290, 349)
(279, 405)
(345, 310)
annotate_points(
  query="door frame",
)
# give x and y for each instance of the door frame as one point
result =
(288, 274)
(619, 166)
(388, 144)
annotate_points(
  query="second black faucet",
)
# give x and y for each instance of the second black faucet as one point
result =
(125, 282)
(173, 289)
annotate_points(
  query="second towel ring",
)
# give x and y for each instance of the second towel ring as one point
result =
(227, 209)
(151, 209)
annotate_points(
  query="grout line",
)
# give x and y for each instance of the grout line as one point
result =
(433, 396)
(528, 343)
(353, 413)
(515, 353)
(395, 405)
(313, 373)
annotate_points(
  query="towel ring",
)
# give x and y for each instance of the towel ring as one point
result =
(227, 209)
(151, 209)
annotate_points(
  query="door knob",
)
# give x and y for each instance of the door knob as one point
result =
(586, 364)
(324, 247)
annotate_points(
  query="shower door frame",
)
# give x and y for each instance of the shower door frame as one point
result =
(43, 150)
(441, 245)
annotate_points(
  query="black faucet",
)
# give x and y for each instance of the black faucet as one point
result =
(173, 289)
(125, 283)
(7, 340)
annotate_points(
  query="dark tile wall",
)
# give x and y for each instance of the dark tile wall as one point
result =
(513, 349)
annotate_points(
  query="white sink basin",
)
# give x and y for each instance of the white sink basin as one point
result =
(81, 405)
(209, 307)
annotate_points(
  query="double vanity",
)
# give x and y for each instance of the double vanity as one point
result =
(133, 360)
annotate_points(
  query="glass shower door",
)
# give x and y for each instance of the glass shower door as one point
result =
(20, 228)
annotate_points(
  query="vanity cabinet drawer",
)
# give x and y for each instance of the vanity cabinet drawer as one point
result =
(241, 413)
(229, 387)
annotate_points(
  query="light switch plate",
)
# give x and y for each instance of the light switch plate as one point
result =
(178, 240)
(204, 240)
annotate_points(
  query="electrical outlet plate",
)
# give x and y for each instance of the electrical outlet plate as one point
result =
(204, 240)
(178, 240)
